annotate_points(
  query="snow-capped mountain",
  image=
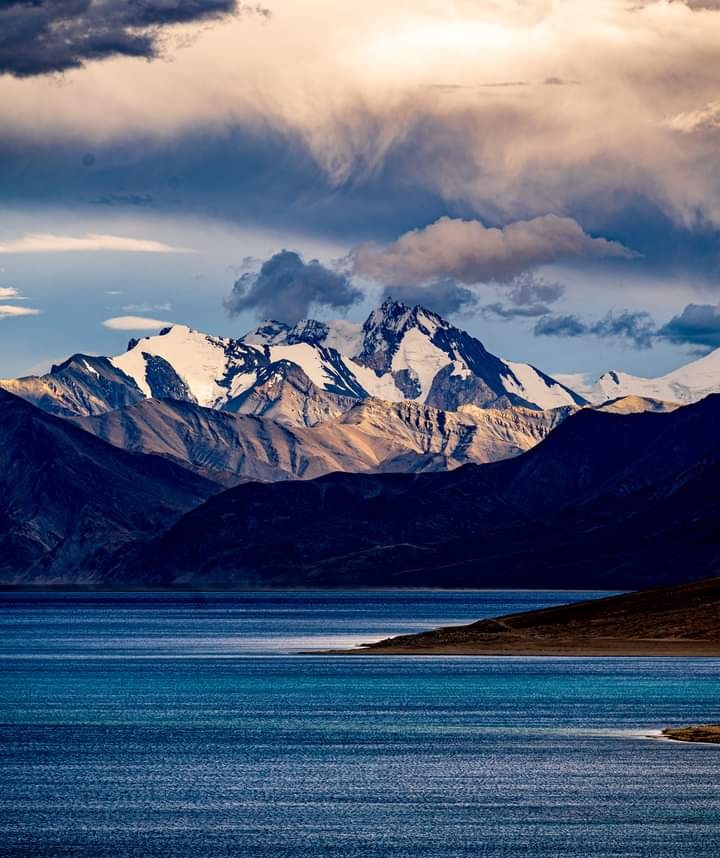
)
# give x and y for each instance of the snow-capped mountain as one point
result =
(301, 374)
(406, 352)
(689, 383)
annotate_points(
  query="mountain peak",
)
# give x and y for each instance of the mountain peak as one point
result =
(268, 333)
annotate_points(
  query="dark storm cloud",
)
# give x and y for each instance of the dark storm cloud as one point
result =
(286, 288)
(635, 328)
(251, 174)
(446, 297)
(505, 313)
(560, 326)
(526, 297)
(45, 36)
(241, 173)
(528, 288)
(697, 324)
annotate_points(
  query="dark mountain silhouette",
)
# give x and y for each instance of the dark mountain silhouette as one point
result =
(605, 500)
(68, 500)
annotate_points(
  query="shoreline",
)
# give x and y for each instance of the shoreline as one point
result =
(679, 621)
(699, 734)
(571, 648)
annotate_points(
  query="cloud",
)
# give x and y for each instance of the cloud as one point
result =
(697, 324)
(147, 308)
(10, 311)
(44, 36)
(135, 323)
(525, 297)
(122, 200)
(445, 297)
(286, 287)
(560, 326)
(636, 328)
(528, 288)
(507, 313)
(702, 118)
(36, 242)
(9, 293)
(340, 90)
(469, 252)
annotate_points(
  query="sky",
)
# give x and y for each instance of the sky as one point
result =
(544, 173)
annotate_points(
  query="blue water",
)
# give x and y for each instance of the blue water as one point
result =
(184, 725)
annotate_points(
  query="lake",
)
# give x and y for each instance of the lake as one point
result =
(184, 725)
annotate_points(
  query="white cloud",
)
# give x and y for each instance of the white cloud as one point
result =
(467, 251)
(135, 323)
(703, 118)
(40, 242)
(147, 308)
(9, 293)
(9, 311)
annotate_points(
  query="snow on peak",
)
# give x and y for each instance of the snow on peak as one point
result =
(198, 359)
(689, 383)
(343, 336)
(421, 359)
(400, 352)
(537, 388)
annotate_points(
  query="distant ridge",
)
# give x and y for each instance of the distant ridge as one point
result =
(685, 385)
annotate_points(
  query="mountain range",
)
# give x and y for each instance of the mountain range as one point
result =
(606, 500)
(689, 383)
(303, 374)
(438, 464)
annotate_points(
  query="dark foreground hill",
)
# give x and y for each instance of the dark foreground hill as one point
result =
(69, 501)
(606, 500)
(682, 620)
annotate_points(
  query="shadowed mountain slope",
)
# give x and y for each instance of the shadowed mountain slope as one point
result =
(605, 500)
(68, 500)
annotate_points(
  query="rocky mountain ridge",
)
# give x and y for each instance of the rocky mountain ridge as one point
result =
(399, 353)
(606, 500)
(371, 436)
